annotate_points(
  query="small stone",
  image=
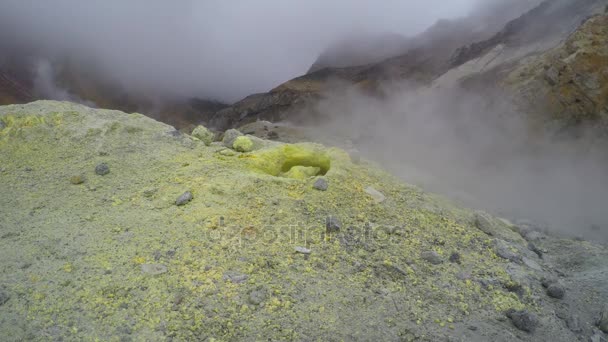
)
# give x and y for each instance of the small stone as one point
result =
(78, 179)
(574, 324)
(455, 258)
(185, 198)
(332, 224)
(523, 320)
(150, 192)
(242, 144)
(547, 281)
(536, 250)
(556, 290)
(552, 76)
(484, 223)
(321, 184)
(230, 136)
(4, 297)
(375, 194)
(102, 169)
(602, 322)
(303, 250)
(597, 337)
(257, 297)
(153, 269)
(432, 257)
(203, 134)
(504, 251)
(235, 277)
(2, 125)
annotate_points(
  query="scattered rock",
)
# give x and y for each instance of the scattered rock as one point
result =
(532, 264)
(535, 249)
(303, 250)
(102, 169)
(78, 179)
(203, 134)
(556, 290)
(257, 297)
(227, 152)
(503, 250)
(4, 297)
(235, 277)
(552, 76)
(602, 322)
(153, 269)
(185, 198)
(597, 337)
(455, 258)
(321, 184)
(484, 223)
(432, 257)
(332, 224)
(574, 323)
(376, 195)
(523, 320)
(230, 136)
(150, 192)
(547, 281)
(242, 144)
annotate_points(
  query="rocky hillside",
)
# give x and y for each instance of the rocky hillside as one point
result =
(456, 54)
(118, 227)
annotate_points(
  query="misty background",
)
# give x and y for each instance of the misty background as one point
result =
(478, 149)
(472, 147)
(223, 50)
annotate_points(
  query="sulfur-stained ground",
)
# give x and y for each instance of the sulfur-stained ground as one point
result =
(113, 258)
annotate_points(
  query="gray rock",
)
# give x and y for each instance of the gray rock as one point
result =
(523, 320)
(332, 224)
(257, 297)
(235, 277)
(455, 258)
(574, 323)
(432, 257)
(102, 169)
(503, 250)
(552, 76)
(597, 337)
(203, 134)
(375, 194)
(602, 322)
(4, 297)
(2, 125)
(548, 281)
(535, 249)
(556, 290)
(153, 269)
(230, 136)
(484, 223)
(185, 198)
(321, 184)
(303, 250)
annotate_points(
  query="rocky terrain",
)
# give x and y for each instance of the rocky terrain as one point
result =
(118, 227)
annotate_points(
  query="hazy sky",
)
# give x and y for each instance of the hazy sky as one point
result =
(215, 48)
